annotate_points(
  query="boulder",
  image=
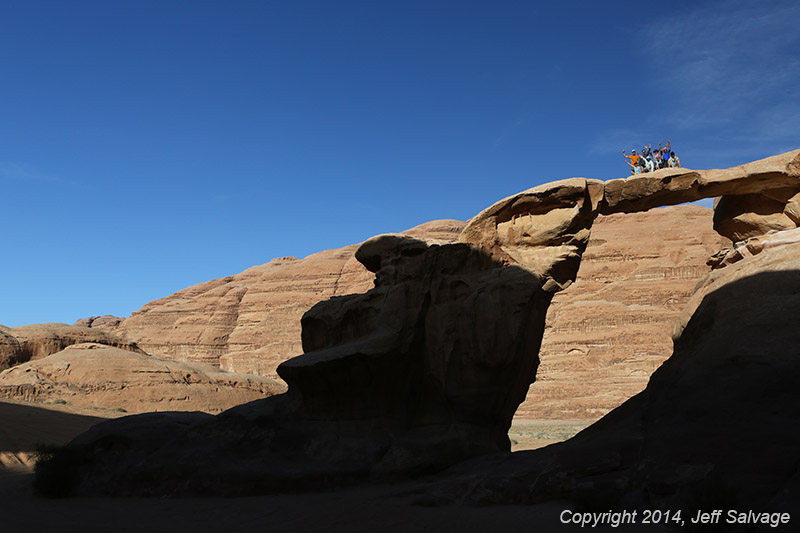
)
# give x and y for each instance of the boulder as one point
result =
(105, 322)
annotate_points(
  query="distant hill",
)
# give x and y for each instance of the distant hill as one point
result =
(605, 334)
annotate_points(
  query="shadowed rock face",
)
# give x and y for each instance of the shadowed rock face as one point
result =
(250, 322)
(427, 368)
(442, 350)
(607, 332)
(716, 425)
(424, 370)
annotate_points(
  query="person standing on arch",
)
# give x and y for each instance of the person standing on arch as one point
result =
(634, 160)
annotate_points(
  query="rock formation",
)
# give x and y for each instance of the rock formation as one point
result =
(422, 371)
(608, 332)
(674, 186)
(101, 376)
(610, 328)
(26, 343)
(427, 368)
(250, 322)
(749, 215)
(753, 246)
(545, 228)
(716, 426)
(105, 322)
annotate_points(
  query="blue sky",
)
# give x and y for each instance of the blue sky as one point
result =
(151, 145)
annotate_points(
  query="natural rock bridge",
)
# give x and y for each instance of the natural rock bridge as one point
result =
(428, 367)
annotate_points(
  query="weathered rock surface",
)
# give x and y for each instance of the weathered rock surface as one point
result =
(673, 186)
(105, 322)
(607, 332)
(753, 246)
(424, 370)
(749, 215)
(545, 228)
(26, 343)
(718, 424)
(250, 322)
(427, 368)
(100, 376)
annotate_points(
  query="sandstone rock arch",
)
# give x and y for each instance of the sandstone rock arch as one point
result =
(459, 318)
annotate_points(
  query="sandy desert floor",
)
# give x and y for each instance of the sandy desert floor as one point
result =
(360, 509)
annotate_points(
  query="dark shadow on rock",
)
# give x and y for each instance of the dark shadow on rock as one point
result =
(718, 424)
(23, 427)
(421, 372)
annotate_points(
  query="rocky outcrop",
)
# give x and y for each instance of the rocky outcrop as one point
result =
(250, 322)
(105, 322)
(611, 328)
(749, 215)
(26, 343)
(607, 332)
(427, 368)
(753, 246)
(424, 370)
(674, 186)
(545, 228)
(717, 426)
(102, 377)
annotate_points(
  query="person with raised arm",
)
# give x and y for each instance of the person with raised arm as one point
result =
(634, 160)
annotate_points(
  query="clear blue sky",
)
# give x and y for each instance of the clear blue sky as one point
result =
(146, 146)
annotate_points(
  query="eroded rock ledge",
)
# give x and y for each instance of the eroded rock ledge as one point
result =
(423, 371)
(753, 199)
(27, 343)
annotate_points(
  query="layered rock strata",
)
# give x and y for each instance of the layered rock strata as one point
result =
(250, 322)
(25, 343)
(718, 424)
(611, 327)
(545, 228)
(103, 377)
(674, 186)
(753, 246)
(424, 370)
(427, 368)
(608, 332)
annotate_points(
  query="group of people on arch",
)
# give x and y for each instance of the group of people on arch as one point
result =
(649, 160)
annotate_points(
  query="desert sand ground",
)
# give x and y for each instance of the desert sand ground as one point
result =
(360, 509)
